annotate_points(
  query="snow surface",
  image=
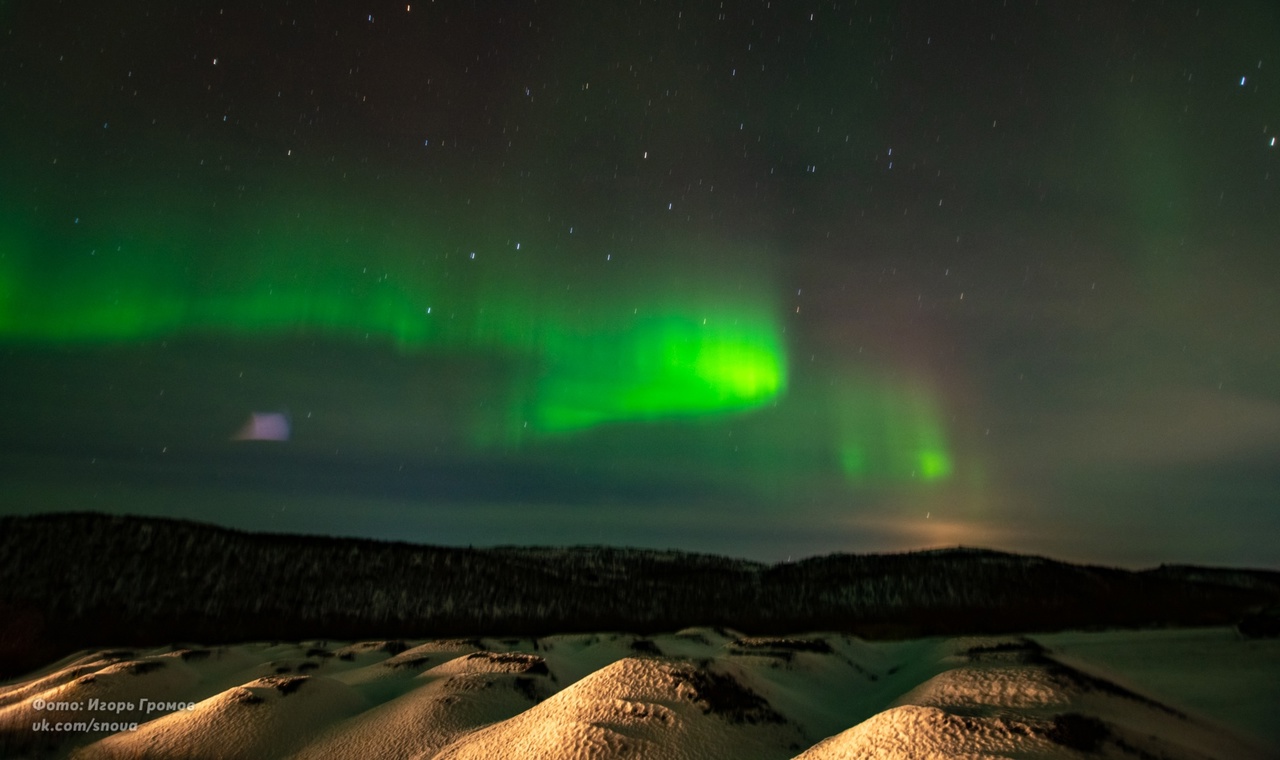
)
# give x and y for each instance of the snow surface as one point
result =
(1216, 673)
(697, 694)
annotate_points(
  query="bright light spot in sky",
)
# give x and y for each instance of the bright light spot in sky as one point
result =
(264, 426)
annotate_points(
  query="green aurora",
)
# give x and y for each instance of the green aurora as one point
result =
(627, 345)
(762, 280)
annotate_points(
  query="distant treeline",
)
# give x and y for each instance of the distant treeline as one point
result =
(71, 581)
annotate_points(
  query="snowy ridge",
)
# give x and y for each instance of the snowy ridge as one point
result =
(697, 694)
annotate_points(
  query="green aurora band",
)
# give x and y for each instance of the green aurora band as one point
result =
(884, 432)
(597, 361)
(585, 350)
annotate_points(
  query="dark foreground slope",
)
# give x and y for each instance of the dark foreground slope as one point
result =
(77, 580)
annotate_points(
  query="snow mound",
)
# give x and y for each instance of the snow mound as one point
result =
(442, 704)
(70, 668)
(267, 717)
(428, 654)
(910, 732)
(699, 694)
(107, 689)
(639, 707)
(493, 662)
(977, 688)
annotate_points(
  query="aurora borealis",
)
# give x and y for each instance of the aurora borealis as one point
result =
(691, 352)
(752, 278)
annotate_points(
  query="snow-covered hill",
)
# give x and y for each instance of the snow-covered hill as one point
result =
(696, 694)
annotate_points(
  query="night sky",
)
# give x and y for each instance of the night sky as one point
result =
(766, 279)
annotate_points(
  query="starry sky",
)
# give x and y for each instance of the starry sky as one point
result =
(761, 278)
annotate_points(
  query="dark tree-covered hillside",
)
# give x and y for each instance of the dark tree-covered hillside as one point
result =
(71, 581)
